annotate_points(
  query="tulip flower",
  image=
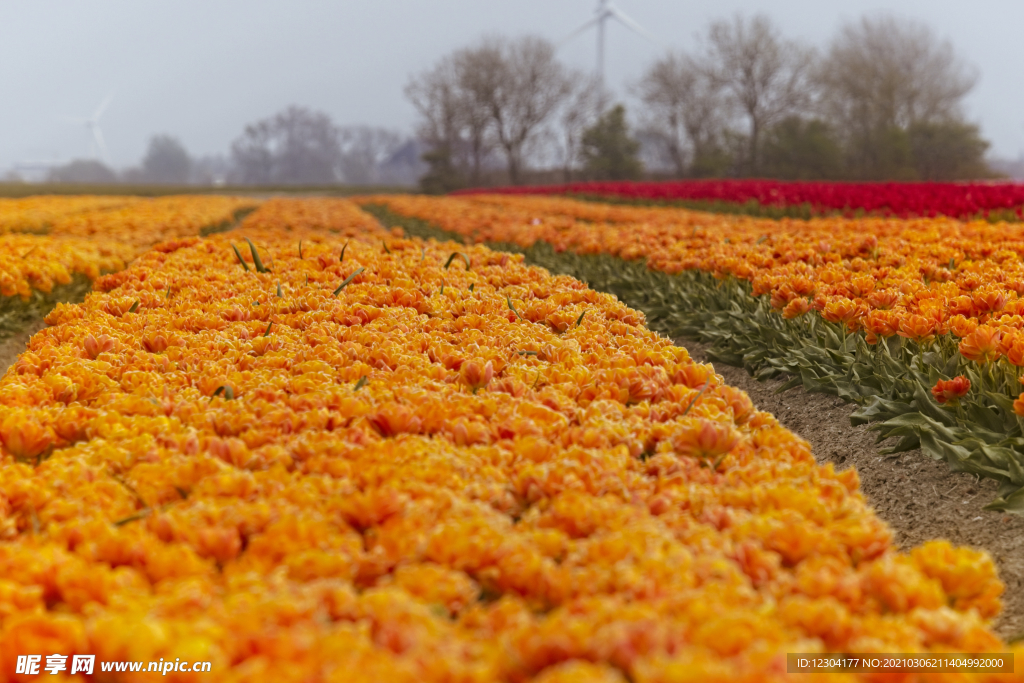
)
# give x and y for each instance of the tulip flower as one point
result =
(706, 439)
(23, 436)
(951, 390)
(476, 375)
(917, 328)
(796, 308)
(982, 345)
(95, 346)
(393, 419)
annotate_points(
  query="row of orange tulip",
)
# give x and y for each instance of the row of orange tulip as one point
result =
(89, 235)
(918, 279)
(40, 262)
(37, 214)
(337, 216)
(383, 459)
(142, 224)
(854, 271)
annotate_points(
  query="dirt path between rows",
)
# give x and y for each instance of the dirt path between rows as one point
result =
(920, 498)
(13, 345)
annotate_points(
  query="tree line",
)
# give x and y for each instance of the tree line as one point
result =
(883, 100)
(296, 146)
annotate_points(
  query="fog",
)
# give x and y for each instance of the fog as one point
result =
(202, 70)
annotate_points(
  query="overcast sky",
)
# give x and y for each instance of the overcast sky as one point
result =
(202, 69)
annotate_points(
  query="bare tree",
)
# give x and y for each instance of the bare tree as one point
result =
(499, 93)
(454, 126)
(880, 76)
(765, 76)
(521, 85)
(586, 100)
(166, 161)
(684, 106)
(434, 94)
(363, 150)
(296, 147)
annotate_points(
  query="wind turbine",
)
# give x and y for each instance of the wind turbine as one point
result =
(99, 147)
(605, 11)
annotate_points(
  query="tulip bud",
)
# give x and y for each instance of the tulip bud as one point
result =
(477, 376)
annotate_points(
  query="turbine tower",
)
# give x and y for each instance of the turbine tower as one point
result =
(99, 147)
(605, 11)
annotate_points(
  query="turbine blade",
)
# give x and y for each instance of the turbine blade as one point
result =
(581, 29)
(631, 25)
(103, 106)
(97, 135)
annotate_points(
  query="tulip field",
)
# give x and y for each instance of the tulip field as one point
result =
(918, 320)
(371, 439)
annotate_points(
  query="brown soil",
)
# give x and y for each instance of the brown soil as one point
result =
(11, 346)
(920, 498)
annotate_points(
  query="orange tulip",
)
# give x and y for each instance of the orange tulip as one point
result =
(394, 419)
(740, 403)
(982, 345)
(862, 286)
(23, 436)
(1014, 352)
(796, 308)
(706, 439)
(155, 342)
(477, 375)
(951, 390)
(962, 306)
(94, 346)
(962, 326)
(881, 323)
(694, 375)
(803, 286)
(883, 299)
(989, 301)
(917, 328)
(781, 297)
(840, 310)
(1018, 405)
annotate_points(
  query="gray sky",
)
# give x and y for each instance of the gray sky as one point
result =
(202, 69)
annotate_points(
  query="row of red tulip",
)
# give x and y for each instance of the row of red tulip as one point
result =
(961, 200)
